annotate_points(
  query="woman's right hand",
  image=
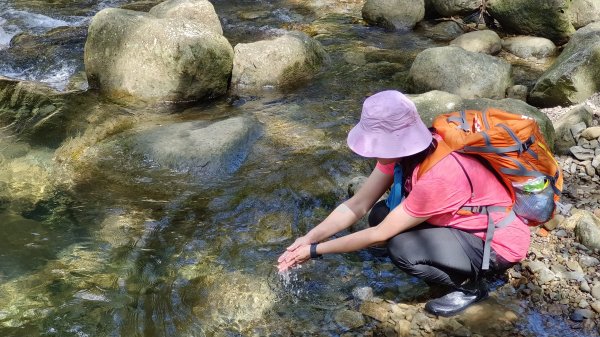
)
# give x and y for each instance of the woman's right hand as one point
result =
(300, 242)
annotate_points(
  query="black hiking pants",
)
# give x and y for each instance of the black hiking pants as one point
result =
(437, 255)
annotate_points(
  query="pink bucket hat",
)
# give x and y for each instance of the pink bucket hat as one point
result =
(389, 127)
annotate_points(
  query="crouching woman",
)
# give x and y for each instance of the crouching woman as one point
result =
(422, 223)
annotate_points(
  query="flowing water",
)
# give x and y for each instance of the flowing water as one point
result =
(127, 248)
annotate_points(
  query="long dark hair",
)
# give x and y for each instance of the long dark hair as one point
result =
(409, 163)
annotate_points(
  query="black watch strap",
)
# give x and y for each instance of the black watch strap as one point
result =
(313, 251)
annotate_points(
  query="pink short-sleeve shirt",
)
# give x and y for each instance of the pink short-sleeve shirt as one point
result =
(444, 189)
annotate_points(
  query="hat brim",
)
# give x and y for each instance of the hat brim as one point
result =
(402, 143)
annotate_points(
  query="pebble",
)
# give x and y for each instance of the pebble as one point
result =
(588, 261)
(561, 233)
(596, 291)
(363, 293)
(583, 304)
(585, 287)
(596, 306)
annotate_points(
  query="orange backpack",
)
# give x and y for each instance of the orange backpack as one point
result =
(515, 149)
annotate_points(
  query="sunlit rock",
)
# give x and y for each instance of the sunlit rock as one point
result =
(584, 12)
(460, 72)
(193, 10)
(575, 75)
(282, 62)
(481, 41)
(136, 56)
(542, 18)
(394, 15)
(529, 46)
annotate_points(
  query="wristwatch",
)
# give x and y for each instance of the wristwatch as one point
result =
(313, 251)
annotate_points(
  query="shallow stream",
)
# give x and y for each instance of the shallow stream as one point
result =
(128, 248)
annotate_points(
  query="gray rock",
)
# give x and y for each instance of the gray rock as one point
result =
(577, 129)
(581, 153)
(534, 17)
(198, 147)
(457, 71)
(583, 313)
(394, 14)
(587, 230)
(281, 62)
(575, 75)
(190, 10)
(564, 137)
(585, 287)
(596, 291)
(535, 266)
(517, 92)
(584, 12)
(596, 306)
(444, 31)
(545, 276)
(481, 41)
(455, 7)
(588, 261)
(529, 46)
(136, 56)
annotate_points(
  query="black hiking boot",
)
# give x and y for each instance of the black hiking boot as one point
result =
(457, 300)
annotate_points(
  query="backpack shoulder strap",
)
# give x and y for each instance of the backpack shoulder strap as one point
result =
(440, 152)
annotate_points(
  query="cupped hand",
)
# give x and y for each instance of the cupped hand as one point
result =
(295, 257)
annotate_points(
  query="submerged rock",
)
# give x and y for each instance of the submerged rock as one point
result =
(198, 147)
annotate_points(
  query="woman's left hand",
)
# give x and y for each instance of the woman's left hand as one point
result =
(295, 257)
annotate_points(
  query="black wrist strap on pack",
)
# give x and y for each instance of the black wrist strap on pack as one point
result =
(313, 251)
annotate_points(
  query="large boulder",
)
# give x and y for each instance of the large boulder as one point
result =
(455, 7)
(434, 103)
(457, 71)
(394, 14)
(575, 75)
(284, 61)
(481, 41)
(529, 46)
(584, 12)
(136, 56)
(543, 18)
(200, 148)
(190, 10)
